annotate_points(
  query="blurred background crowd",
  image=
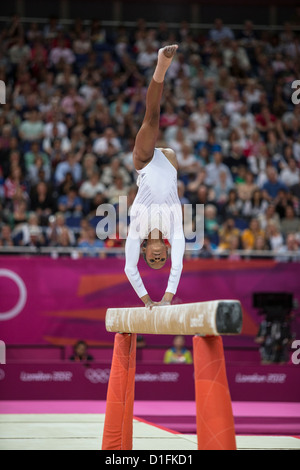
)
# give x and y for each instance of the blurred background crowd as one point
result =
(75, 99)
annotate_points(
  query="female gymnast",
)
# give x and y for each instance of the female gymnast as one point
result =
(156, 213)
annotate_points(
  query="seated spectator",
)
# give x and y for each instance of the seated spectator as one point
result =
(36, 238)
(71, 203)
(80, 353)
(265, 121)
(57, 226)
(187, 162)
(273, 184)
(42, 202)
(290, 223)
(55, 128)
(213, 171)
(246, 188)
(90, 243)
(72, 102)
(234, 246)
(178, 354)
(181, 193)
(222, 188)
(261, 244)
(13, 182)
(255, 206)
(283, 200)
(6, 239)
(32, 129)
(233, 206)
(116, 190)
(89, 166)
(66, 78)
(226, 231)
(108, 144)
(211, 226)
(19, 52)
(71, 165)
(269, 215)
(220, 32)
(290, 251)
(207, 249)
(250, 234)
(64, 238)
(290, 175)
(91, 187)
(32, 154)
(274, 237)
(113, 170)
(19, 214)
(35, 169)
(61, 53)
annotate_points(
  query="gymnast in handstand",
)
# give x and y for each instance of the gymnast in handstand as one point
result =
(156, 213)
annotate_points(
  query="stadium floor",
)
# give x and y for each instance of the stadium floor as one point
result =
(73, 431)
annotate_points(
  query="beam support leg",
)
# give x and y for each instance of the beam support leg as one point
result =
(118, 425)
(215, 423)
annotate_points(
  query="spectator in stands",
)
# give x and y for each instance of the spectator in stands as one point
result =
(226, 231)
(220, 32)
(274, 237)
(290, 251)
(72, 166)
(32, 129)
(211, 226)
(261, 244)
(214, 169)
(91, 187)
(90, 243)
(290, 223)
(273, 184)
(80, 352)
(56, 226)
(42, 202)
(269, 215)
(71, 203)
(250, 234)
(6, 239)
(290, 175)
(178, 354)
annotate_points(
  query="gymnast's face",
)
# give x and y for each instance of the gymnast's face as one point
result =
(156, 254)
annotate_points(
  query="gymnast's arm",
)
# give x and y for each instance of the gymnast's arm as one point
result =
(132, 254)
(177, 253)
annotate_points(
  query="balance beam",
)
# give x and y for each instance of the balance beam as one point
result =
(218, 317)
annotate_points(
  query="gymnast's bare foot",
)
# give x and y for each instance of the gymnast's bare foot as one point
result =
(164, 59)
(169, 51)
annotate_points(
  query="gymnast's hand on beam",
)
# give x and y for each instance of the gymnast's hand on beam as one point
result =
(148, 302)
(167, 299)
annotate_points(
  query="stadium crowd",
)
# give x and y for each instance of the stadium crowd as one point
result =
(75, 98)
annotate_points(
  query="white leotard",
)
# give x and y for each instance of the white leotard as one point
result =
(156, 205)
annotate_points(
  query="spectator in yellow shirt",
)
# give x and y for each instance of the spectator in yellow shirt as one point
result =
(226, 232)
(178, 354)
(250, 234)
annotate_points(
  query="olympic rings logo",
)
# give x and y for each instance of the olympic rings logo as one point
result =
(96, 376)
(13, 312)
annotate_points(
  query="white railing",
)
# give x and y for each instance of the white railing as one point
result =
(76, 252)
(150, 24)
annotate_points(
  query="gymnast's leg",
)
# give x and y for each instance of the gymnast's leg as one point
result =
(147, 135)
